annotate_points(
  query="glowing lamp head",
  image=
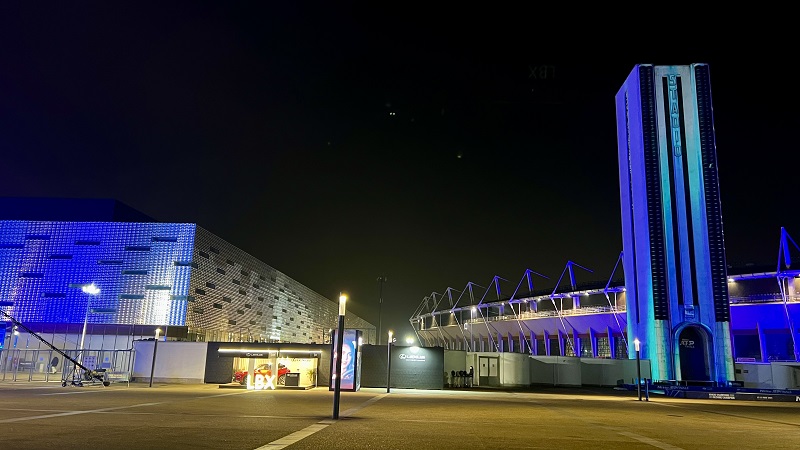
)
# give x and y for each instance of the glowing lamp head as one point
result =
(90, 289)
(342, 301)
(409, 340)
(636, 344)
(158, 331)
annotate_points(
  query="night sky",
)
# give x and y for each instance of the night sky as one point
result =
(340, 144)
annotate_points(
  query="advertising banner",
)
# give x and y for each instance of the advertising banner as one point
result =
(351, 373)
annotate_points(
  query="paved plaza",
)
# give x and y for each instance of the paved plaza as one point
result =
(48, 416)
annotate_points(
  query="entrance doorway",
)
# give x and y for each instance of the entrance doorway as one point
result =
(488, 371)
(692, 348)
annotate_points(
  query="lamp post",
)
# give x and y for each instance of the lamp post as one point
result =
(90, 289)
(337, 385)
(153, 365)
(389, 363)
(636, 345)
(381, 280)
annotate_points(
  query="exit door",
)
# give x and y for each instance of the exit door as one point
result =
(488, 371)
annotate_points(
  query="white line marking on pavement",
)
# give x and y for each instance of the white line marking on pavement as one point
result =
(74, 392)
(224, 395)
(352, 411)
(650, 441)
(311, 429)
(294, 437)
(72, 413)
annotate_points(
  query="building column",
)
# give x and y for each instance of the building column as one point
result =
(562, 350)
(593, 340)
(762, 342)
(546, 337)
(576, 343)
(612, 343)
(534, 347)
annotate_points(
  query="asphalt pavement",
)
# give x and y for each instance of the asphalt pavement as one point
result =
(48, 416)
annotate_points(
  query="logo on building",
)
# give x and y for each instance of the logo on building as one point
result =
(674, 114)
(688, 343)
(406, 357)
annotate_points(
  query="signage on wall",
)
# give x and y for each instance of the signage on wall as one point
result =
(411, 357)
(687, 343)
(244, 352)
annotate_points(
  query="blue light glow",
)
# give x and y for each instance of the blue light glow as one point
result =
(55, 290)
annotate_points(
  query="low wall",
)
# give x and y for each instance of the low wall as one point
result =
(555, 370)
(518, 369)
(176, 362)
(514, 370)
(773, 375)
(608, 372)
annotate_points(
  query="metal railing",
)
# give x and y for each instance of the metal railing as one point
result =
(19, 364)
(552, 313)
(763, 298)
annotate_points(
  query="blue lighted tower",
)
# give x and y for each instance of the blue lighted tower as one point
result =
(673, 247)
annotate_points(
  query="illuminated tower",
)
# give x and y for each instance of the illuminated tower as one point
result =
(673, 247)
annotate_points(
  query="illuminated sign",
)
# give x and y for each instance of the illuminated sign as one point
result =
(263, 353)
(722, 395)
(351, 361)
(407, 357)
(262, 382)
(688, 343)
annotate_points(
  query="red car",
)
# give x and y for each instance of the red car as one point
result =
(240, 376)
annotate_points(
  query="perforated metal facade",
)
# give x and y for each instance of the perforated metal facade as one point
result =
(156, 274)
(43, 266)
(237, 294)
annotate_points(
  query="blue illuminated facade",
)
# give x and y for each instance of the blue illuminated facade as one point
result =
(176, 276)
(143, 271)
(673, 247)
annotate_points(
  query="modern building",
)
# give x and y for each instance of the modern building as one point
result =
(545, 323)
(680, 306)
(144, 275)
(676, 281)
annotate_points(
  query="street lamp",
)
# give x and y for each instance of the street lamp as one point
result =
(409, 340)
(153, 365)
(381, 280)
(90, 289)
(638, 369)
(337, 388)
(389, 362)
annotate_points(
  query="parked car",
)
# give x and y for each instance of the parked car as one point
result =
(240, 376)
